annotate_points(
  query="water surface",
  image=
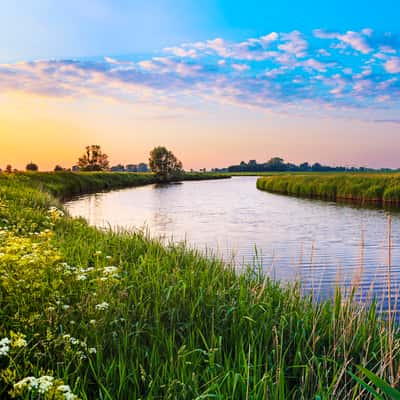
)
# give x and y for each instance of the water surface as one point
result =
(321, 243)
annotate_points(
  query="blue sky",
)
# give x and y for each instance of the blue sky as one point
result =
(31, 29)
(182, 62)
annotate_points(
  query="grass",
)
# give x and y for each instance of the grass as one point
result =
(380, 189)
(119, 316)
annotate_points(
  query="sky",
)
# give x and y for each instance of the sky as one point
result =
(217, 82)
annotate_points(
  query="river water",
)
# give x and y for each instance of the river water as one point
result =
(322, 244)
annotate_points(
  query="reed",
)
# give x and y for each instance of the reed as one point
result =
(120, 316)
(380, 189)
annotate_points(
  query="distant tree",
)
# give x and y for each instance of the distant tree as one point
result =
(93, 159)
(9, 168)
(305, 166)
(164, 164)
(32, 167)
(276, 164)
(58, 168)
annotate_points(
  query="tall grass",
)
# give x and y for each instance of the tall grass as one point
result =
(119, 316)
(381, 189)
(68, 184)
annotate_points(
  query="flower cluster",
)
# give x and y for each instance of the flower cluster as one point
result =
(80, 346)
(46, 387)
(102, 306)
(4, 346)
(17, 340)
(55, 213)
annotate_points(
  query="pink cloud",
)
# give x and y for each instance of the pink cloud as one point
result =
(393, 65)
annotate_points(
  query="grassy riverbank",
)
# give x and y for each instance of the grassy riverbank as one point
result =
(118, 316)
(381, 189)
(68, 184)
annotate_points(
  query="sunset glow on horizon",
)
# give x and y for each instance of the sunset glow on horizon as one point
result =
(215, 95)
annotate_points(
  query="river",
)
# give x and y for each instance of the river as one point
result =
(322, 244)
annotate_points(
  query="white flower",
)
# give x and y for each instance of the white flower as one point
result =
(92, 350)
(5, 341)
(74, 341)
(81, 277)
(66, 392)
(45, 383)
(110, 270)
(4, 346)
(65, 306)
(92, 322)
(29, 382)
(102, 306)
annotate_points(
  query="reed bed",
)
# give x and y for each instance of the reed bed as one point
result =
(379, 189)
(102, 315)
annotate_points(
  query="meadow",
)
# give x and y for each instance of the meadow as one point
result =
(363, 188)
(94, 314)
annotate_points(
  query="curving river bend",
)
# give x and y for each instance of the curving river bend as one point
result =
(323, 244)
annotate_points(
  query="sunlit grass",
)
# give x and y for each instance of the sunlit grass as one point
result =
(119, 316)
(382, 189)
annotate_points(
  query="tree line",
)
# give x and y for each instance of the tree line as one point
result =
(163, 163)
(277, 164)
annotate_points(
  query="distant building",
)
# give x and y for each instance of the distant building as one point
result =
(142, 167)
(131, 168)
(118, 168)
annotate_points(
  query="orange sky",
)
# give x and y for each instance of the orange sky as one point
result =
(50, 131)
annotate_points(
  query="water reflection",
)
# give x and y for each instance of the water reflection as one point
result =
(323, 244)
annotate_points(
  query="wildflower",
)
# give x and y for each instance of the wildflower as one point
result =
(81, 277)
(4, 346)
(108, 257)
(18, 340)
(44, 383)
(30, 382)
(81, 355)
(74, 341)
(92, 322)
(110, 270)
(65, 306)
(66, 392)
(98, 253)
(92, 350)
(102, 306)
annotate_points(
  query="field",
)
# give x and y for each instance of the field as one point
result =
(379, 188)
(92, 314)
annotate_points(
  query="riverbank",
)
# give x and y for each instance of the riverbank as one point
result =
(373, 189)
(64, 185)
(118, 316)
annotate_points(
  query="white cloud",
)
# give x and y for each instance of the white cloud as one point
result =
(294, 44)
(356, 40)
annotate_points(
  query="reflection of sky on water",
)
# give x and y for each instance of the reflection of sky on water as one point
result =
(321, 243)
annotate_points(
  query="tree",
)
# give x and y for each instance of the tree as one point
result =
(32, 167)
(93, 159)
(58, 168)
(164, 164)
(9, 168)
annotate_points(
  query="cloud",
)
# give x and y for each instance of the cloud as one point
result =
(294, 44)
(240, 67)
(356, 40)
(276, 71)
(393, 65)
